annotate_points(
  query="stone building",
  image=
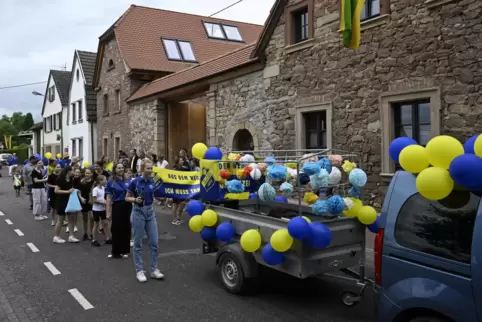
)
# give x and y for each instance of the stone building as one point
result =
(417, 73)
(145, 44)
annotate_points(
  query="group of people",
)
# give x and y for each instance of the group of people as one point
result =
(116, 204)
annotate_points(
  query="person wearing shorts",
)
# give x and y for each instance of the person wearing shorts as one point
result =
(99, 212)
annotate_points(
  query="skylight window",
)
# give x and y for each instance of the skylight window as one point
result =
(220, 31)
(179, 50)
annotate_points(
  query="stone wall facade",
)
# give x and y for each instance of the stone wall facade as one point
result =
(114, 123)
(417, 51)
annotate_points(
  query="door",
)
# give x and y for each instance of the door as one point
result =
(186, 126)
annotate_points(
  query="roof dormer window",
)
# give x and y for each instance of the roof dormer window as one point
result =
(221, 31)
(179, 50)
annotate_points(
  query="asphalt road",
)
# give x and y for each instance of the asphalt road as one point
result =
(89, 287)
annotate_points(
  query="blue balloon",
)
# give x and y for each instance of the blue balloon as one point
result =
(272, 257)
(37, 156)
(280, 199)
(469, 144)
(320, 236)
(253, 196)
(208, 234)
(195, 207)
(299, 228)
(466, 170)
(213, 153)
(45, 161)
(374, 227)
(225, 232)
(398, 145)
(304, 178)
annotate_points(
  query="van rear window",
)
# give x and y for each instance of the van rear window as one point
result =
(442, 228)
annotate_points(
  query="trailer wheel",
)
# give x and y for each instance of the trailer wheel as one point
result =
(350, 299)
(232, 275)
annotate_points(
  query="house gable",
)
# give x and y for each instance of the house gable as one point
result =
(271, 23)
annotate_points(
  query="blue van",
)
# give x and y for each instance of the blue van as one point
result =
(428, 256)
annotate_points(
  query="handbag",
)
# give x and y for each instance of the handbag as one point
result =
(73, 205)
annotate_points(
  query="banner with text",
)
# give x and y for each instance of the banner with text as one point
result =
(176, 184)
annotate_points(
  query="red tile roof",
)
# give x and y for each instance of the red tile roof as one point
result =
(140, 29)
(212, 67)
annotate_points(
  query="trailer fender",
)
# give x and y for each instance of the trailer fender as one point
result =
(250, 266)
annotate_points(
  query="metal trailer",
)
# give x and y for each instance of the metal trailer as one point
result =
(238, 269)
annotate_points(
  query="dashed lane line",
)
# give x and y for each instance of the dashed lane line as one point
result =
(81, 299)
(19, 232)
(52, 268)
(1, 214)
(33, 248)
(9, 222)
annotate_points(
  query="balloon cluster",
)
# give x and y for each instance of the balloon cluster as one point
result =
(441, 165)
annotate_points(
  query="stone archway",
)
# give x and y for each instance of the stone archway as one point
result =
(243, 137)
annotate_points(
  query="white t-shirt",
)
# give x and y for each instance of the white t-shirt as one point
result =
(162, 164)
(139, 163)
(98, 194)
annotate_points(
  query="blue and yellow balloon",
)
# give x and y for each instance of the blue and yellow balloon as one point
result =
(443, 149)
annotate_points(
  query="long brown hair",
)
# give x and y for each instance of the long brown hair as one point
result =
(113, 175)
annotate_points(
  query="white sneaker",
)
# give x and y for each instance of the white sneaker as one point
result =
(141, 277)
(52, 223)
(72, 239)
(125, 256)
(67, 230)
(75, 229)
(132, 243)
(157, 274)
(38, 218)
(44, 217)
(58, 240)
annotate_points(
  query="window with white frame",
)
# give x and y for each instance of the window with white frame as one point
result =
(74, 113)
(48, 124)
(58, 119)
(81, 148)
(51, 93)
(79, 110)
(74, 147)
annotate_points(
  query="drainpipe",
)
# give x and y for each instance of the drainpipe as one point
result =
(62, 131)
(166, 131)
(92, 141)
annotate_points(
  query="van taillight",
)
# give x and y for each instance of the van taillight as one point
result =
(378, 256)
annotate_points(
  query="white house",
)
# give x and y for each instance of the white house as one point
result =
(56, 97)
(79, 133)
(36, 144)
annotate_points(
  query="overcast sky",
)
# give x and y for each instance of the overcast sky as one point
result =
(36, 36)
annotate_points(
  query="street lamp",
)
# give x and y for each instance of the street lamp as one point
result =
(37, 93)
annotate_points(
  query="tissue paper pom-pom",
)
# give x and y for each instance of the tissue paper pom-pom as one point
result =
(320, 180)
(247, 170)
(309, 157)
(255, 174)
(335, 176)
(304, 179)
(240, 174)
(311, 168)
(320, 208)
(335, 205)
(276, 172)
(324, 163)
(310, 198)
(222, 181)
(246, 159)
(354, 192)
(253, 195)
(233, 156)
(335, 159)
(358, 178)
(348, 166)
(348, 203)
(292, 172)
(291, 165)
(266, 192)
(225, 174)
(269, 160)
(280, 199)
(253, 165)
(235, 186)
(262, 167)
(286, 187)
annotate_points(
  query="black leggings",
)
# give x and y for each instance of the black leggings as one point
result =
(121, 228)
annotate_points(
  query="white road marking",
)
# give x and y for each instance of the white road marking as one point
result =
(52, 268)
(2, 214)
(32, 247)
(19, 232)
(81, 299)
(8, 221)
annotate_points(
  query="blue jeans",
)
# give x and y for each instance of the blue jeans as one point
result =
(143, 219)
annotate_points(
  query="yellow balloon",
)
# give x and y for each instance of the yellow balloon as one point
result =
(59, 156)
(48, 155)
(281, 240)
(367, 215)
(310, 198)
(196, 223)
(250, 240)
(86, 164)
(478, 146)
(353, 211)
(198, 150)
(434, 183)
(414, 158)
(307, 219)
(442, 150)
(209, 218)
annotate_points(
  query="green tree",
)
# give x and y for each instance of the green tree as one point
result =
(27, 122)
